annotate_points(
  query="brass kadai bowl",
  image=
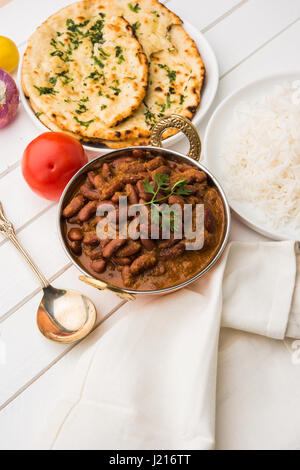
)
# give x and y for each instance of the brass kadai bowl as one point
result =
(170, 122)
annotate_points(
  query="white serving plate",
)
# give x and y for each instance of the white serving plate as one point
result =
(214, 140)
(208, 92)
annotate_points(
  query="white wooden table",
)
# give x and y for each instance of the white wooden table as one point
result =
(251, 38)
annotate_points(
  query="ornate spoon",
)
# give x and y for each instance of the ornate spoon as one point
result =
(63, 315)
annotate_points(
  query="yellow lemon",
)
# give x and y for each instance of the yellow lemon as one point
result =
(9, 54)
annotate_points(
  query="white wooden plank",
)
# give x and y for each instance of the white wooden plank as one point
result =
(36, 403)
(29, 352)
(249, 27)
(41, 241)
(202, 13)
(19, 202)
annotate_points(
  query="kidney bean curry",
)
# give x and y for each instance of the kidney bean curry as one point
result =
(142, 264)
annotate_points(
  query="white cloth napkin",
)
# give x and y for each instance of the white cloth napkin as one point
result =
(150, 381)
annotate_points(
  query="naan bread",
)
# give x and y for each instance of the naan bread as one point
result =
(176, 72)
(84, 70)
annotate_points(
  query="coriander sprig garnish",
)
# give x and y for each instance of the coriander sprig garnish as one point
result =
(162, 184)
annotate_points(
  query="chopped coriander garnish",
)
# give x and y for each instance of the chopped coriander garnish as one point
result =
(53, 80)
(83, 123)
(135, 26)
(130, 78)
(182, 99)
(44, 90)
(38, 114)
(116, 90)
(75, 28)
(81, 108)
(95, 32)
(65, 79)
(119, 54)
(95, 76)
(104, 106)
(162, 107)
(150, 117)
(155, 14)
(103, 54)
(170, 73)
(135, 8)
(169, 102)
(98, 62)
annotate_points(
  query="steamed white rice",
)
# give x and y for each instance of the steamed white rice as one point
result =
(262, 155)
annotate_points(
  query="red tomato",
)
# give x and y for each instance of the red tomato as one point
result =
(50, 161)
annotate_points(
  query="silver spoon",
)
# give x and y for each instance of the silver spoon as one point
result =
(63, 315)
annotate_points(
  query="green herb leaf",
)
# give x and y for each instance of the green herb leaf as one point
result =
(135, 8)
(83, 123)
(182, 99)
(148, 187)
(135, 26)
(44, 90)
(170, 73)
(119, 53)
(116, 90)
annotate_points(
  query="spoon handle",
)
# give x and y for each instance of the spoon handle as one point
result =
(7, 229)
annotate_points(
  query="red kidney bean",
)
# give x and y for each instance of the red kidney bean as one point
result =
(74, 206)
(91, 176)
(209, 220)
(132, 179)
(142, 263)
(90, 225)
(142, 193)
(99, 182)
(87, 211)
(88, 192)
(106, 171)
(173, 252)
(155, 163)
(76, 247)
(192, 189)
(131, 248)
(98, 265)
(126, 276)
(168, 243)
(95, 253)
(174, 199)
(121, 261)
(90, 238)
(162, 170)
(194, 175)
(113, 246)
(104, 242)
(138, 153)
(131, 194)
(117, 162)
(75, 234)
(110, 188)
(73, 220)
(116, 196)
(148, 244)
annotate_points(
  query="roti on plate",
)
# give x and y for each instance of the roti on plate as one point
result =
(77, 71)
